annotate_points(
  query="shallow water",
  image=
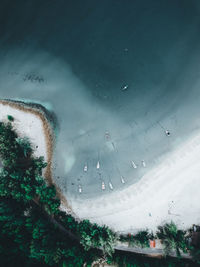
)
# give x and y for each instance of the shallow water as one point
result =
(77, 58)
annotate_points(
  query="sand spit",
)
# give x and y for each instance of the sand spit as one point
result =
(34, 121)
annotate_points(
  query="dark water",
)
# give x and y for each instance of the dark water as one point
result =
(75, 57)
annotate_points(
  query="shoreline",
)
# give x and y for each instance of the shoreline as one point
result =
(162, 195)
(165, 185)
(40, 112)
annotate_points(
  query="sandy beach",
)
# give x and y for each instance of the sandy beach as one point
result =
(32, 122)
(168, 192)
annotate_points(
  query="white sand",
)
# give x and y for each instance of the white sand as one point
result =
(168, 192)
(28, 125)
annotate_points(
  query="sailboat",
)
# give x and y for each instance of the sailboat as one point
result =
(111, 186)
(133, 164)
(85, 168)
(107, 136)
(122, 180)
(103, 186)
(143, 163)
(125, 87)
(80, 189)
(98, 165)
(113, 145)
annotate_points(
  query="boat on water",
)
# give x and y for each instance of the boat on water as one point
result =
(143, 163)
(103, 186)
(133, 164)
(85, 168)
(125, 87)
(167, 133)
(80, 189)
(113, 145)
(107, 136)
(98, 165)
(122, 180)
(110, 185)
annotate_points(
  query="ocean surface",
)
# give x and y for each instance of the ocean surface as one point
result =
(119, 75)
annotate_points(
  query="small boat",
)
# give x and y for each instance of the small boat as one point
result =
(107, 136)
(143, 163)
(122, 180)
(98, 165)
(103, 186)
(113, 145)
(111, 186)
(80, 189)
(125, 87)
(133, 164)
(167, 133)
(85, 168)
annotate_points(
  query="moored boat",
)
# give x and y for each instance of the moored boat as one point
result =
(98, 165)
(122, 180)
(103, 186)
(110, 185)
(133, 164)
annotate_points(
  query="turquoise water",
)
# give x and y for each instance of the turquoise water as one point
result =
(116, 73)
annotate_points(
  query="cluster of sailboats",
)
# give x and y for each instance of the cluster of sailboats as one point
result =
(133, 164)
(103, 186)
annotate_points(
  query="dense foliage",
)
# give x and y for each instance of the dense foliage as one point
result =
(141, 239)
(30, 218)
(28, 233)
(172, 238)
(10, 118)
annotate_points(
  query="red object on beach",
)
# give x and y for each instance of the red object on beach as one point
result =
(152, 243)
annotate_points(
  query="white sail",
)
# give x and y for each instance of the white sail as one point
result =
(98, 165)
(122, 180)
(133, 164)
(85, 168)
(111, 186)
(125, 87)
(80, 189)
(113, 145)
(143, 163)
(103, 186)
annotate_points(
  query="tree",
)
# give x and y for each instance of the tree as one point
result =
(172, 238)
(140, 239)
(95, 236)
(47, 198)
(25, 145)
(10, 118)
